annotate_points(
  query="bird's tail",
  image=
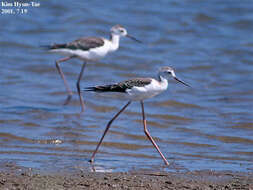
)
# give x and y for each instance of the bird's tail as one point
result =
(106, 88)
(53, 46)
(89, 89)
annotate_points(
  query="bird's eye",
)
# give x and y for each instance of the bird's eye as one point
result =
(121, 30)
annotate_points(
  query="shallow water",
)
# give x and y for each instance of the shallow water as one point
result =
(210, 45)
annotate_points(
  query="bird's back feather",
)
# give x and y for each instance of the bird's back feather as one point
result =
(122, 86)
(85, 44)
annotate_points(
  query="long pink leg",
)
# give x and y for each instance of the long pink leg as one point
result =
(78, 86)
(149, 136)
(106, 129)
(57, 63)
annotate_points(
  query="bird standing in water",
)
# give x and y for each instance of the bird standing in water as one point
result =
(87, 49)
(137, 89)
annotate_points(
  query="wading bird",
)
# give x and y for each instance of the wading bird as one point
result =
(87, 49)
(137, 89)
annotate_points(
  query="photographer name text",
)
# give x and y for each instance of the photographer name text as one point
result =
(17, 7)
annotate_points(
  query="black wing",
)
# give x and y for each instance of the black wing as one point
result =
(82, 43)
(122, 86)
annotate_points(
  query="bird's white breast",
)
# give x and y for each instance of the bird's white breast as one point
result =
(100, 52)
(148, 91)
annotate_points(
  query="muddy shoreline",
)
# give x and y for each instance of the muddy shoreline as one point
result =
(13, 177)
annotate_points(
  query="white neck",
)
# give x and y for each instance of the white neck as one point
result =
(163, 82)
(114, 42)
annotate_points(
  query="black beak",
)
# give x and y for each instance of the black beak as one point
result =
(181, 82)
(133, 38)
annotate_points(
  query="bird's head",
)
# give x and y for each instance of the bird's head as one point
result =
(167, 72)
(121, 31)
(118, 30)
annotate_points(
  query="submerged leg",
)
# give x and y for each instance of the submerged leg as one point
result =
(149, 136)
(106, 129)
(57, 63)
(78, 86)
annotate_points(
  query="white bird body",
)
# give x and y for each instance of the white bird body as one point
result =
(139, 89)
(141, 93)
(92, 54)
